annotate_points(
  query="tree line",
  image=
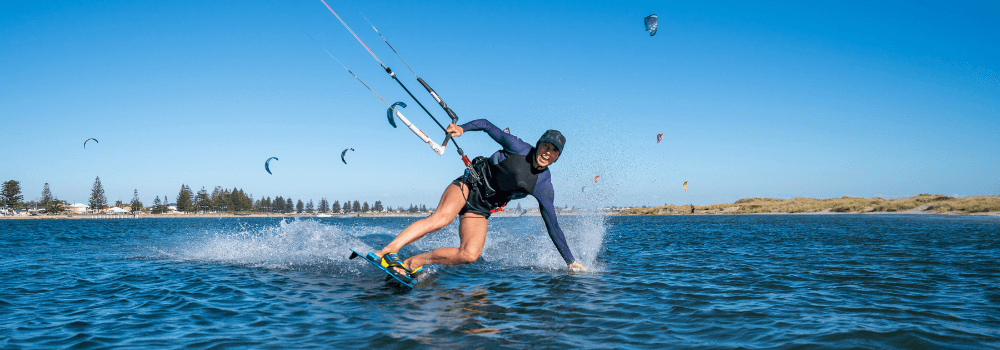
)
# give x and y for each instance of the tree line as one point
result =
(219, 200)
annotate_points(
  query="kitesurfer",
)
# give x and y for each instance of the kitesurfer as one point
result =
(513, 172)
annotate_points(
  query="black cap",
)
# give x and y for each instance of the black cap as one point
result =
(554, 137)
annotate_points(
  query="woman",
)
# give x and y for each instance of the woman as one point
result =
(513, 172)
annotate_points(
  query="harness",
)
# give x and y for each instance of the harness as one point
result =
(477, 174)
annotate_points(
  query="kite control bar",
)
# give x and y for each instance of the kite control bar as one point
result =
(437, 148)
(454, 118)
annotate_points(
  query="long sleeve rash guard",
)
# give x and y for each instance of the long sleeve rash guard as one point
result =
(514, 174)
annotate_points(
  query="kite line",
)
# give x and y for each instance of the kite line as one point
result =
(454, 118)
(439, 149)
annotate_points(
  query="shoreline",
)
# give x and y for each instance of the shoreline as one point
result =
(608, 213)
(923, 204)
(183, 216)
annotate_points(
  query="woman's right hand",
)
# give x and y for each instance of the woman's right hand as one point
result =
(577, 266)
(454, 130)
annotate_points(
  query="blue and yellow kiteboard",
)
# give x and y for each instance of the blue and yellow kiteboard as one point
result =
(393, 279)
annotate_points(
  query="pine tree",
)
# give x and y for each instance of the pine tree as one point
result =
(136, 204)
(309, 207)
(46, 196)
(299, 207)
(241, 202)
(356, 207)
(184, 199)
(97, 198)
(201, 200)
(378, 206)
(216, 198)
(365, 208)
(157, 205)
(10, 196)
(289, 205)
(335, 207)
(324, 206)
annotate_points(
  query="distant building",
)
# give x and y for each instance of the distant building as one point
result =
(116, 210)
(78, 208)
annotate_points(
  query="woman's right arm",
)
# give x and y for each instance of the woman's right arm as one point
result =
(509, 142)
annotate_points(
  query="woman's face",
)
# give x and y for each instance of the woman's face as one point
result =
(545, 155)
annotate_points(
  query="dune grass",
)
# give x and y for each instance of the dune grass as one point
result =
(936, 203)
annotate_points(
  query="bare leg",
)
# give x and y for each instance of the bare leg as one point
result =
(471, 231)
(451, 203)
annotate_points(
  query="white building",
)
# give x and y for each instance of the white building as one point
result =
(78, 208)
(116, 210)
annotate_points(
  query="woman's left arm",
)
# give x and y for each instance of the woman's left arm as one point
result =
(545, 196)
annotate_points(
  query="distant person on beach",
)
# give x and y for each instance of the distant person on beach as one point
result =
(513, 172)
(692, 208)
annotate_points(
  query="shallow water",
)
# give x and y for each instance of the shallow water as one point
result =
(769, 281)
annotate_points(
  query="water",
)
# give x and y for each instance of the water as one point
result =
(768, 281)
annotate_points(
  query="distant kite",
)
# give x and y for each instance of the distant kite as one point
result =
(685, 185)
(342, 154)
(267, 164)
(506, 130)
(595, 178)
(651, 24)
(389, 112)
(659, 137)
(85, 141)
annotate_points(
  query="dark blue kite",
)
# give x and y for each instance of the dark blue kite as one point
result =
(651, 24)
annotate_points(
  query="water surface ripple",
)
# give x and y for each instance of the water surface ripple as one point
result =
(756, 282)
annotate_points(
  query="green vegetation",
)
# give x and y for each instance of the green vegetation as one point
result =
(10, 195)
(220, 200)
(968, 205)
(136, 204)
(97, 198)
(936, 203)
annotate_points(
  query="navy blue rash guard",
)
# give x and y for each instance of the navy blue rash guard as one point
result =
(514, 178)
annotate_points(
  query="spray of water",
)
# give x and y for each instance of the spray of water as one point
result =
(512, 242)
(296, 244)
(523, 242)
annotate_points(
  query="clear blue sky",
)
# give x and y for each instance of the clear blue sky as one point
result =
(754, 99)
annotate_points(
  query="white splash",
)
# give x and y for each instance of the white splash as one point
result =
(288, 245)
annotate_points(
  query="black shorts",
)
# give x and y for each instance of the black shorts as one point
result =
(475, 203)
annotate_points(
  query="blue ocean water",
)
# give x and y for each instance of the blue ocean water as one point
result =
(762, 281)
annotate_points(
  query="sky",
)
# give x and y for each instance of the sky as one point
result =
(754, 99)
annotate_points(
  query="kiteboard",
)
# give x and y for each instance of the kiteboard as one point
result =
(391, 278)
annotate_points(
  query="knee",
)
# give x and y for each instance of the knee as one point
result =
(439, 221)
(468, 257)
